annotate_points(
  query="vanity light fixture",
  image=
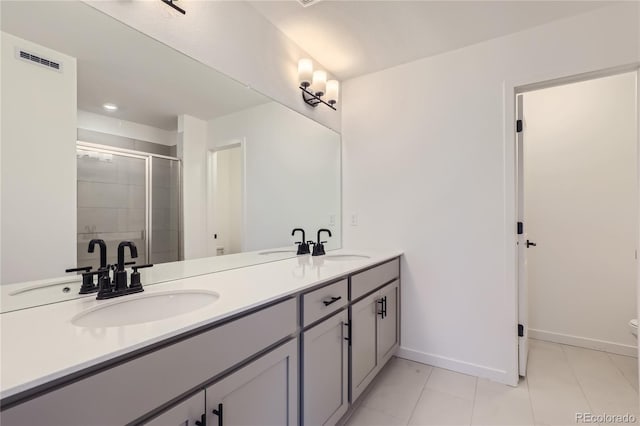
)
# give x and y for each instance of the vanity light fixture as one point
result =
(315, 87)
(110, 107)
(173, 5)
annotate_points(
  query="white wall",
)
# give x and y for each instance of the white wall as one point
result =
(192, 140)
(38, 164)
(230, 36)
(292, 176)
(581, 202)
(429, 168)
(129, 129)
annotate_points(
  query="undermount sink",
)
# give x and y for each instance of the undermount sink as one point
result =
(277, 252)
(143, 308)
(346, 257)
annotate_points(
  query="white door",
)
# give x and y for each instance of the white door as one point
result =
(523, 312)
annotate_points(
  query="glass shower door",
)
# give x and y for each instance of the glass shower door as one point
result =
(165, 210)
(112, 203)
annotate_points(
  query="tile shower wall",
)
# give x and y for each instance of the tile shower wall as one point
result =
(111, 203)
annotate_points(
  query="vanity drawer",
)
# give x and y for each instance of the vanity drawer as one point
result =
(367, 281)
(324, 301)
(123, 393)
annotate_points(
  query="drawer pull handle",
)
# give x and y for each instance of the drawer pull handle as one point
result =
(332, 300)
(218, 413)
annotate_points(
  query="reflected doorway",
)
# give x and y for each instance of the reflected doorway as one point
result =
(226, 199)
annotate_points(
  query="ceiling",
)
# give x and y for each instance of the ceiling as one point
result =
(351, 38)
(151, 83)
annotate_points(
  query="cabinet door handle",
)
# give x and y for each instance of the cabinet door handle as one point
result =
(348, 338)
(331, 300)
(218, 413)
(202, 421)
(384, 307)
(381, 302)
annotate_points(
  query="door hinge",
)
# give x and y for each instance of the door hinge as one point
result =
(520, 228)
(520, 330)
(518, 126)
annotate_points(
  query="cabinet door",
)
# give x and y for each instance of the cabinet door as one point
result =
(187, 413)
(325, 374)
(363, 343)
(388, 323)
(264, 392)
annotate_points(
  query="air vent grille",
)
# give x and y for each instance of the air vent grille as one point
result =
(36, 59)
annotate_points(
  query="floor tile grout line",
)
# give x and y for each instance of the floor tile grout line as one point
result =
(575, 375)
(620, 370)
(424, 386)
(473, 405)
(533, 412)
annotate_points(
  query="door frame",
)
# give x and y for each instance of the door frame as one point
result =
(211, 185)
(510, 90)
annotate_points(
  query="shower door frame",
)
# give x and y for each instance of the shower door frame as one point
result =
(147, 157)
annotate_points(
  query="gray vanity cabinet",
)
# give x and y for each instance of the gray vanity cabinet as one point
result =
(363, 343)
(375, 335)
(187, 413)
(326, 371)
(264, 392)
(388, 324)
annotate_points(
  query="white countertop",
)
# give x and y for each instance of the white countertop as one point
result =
(41, 344)
(23, 295)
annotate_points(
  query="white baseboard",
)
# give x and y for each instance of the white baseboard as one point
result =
(490, 373)
(584, 342)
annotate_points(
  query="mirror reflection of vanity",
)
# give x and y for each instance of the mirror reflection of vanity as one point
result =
(201, 172)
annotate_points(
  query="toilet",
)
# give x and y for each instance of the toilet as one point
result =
(633, 325)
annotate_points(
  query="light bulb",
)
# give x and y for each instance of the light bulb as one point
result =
(333, 89)
(305, 72)
(319, 85)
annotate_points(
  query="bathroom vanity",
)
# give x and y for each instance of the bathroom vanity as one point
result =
(294, 341)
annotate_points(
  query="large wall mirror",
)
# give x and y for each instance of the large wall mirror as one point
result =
(109, 134)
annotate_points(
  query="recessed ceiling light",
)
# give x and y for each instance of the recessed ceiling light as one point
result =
(110, 107)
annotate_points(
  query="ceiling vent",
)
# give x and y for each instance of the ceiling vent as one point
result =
(306, 3)
(39, 60)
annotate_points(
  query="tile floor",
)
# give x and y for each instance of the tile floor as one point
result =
(561, 381)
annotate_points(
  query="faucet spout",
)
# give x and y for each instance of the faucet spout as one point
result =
(323, 230)
(132, 248)
(103, 251)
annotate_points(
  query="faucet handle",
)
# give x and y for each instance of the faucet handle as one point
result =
(135, 268)
(135, 277)
(83, 269)
(87, 282)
